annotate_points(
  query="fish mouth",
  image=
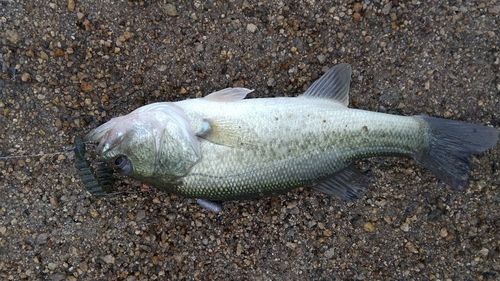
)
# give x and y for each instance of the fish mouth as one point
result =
(108, 136)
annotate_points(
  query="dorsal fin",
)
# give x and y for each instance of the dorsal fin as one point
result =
(229, 94)
(332, 85)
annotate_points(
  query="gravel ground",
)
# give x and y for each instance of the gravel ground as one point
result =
(69, 65)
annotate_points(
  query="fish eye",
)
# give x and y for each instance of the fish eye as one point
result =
(121, 163)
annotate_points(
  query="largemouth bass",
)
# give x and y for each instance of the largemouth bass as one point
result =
(224, 147)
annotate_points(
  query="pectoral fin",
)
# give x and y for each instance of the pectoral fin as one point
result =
(226, 132)
(349, 184)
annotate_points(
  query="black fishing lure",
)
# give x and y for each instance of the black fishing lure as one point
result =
(98, 181)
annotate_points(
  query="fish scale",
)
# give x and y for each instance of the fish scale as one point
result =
(313, 152)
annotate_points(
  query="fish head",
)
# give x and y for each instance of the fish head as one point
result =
(154, 143)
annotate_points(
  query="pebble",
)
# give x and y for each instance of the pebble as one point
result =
(484, 252)
(494, 10)
(387, 9)
(329, 253)
(42, 239)
(12, 36)
(369, 227)
(54, 202)
(251, 27)
(356, 16)
(405, 227)
(140, 215)
(170, 10)
(43, 56)
(411, 247)
(357, 7)
(109, 259)
(59, 53)
(321, 58)
(94, 213)
(86, 86)
(71, 6)
(292, 204)
(271, 82)
(26, 77)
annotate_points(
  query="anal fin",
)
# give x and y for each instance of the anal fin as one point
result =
(349, 184)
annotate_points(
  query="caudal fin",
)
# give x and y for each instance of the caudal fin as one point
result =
(450, 145)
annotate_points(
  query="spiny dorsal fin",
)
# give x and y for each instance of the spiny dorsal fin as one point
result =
(332, 85)
(229, 94)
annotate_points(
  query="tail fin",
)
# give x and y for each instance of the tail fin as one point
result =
(449, 147)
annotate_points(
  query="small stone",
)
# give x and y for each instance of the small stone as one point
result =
(369, 227)
(357, 7)
(30, 53)
(271, 82)
(405, 227)
(59, 53)
(411, 248)
(292, 204)
(199, 47)
(156, 200)
(12, 36)
(387, 9)
(42, 239)
(86, 87)
(137, 80)
(94, 213)
(427, 85)
(329, 253)
(494, 10)
(484, 252)
(125, 36)
(26, 77)
(80, 16)
(293, 49)
(443, 232)
(3, 230)
(321, 58)
(109, 259)
(140, 215)
(51, 266)
(356, 17)
(43, 55)
(83, 266)
(170, 10)
(39, 78)
(54, 202)
(251, 27)
(71, 6)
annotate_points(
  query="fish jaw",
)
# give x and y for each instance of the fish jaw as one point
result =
(152, 138)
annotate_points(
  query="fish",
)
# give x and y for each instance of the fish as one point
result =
(225, 147)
